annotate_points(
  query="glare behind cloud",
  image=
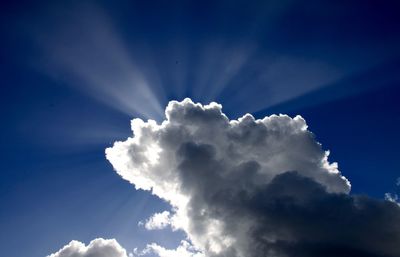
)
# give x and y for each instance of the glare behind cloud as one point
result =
(91, 56)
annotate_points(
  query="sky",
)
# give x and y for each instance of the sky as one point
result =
(74, 74)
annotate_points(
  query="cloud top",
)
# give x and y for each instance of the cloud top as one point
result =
(272, 145)
(235, 186)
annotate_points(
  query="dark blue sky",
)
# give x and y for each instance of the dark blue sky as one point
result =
(74, 75)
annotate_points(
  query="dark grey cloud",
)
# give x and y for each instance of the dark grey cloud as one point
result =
(293, 215)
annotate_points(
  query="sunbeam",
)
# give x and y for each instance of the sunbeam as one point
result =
(219, 64)
(90, 56)
(93, 57)
(372, 78)
(270, 80)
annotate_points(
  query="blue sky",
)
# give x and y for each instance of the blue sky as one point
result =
(73, 75)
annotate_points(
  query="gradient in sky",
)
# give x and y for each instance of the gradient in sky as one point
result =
(73, 75)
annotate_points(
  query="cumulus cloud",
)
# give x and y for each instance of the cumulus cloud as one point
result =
(158, 221)
(273, 145)
(247, 187)
(393, 197)
(96, 248)
(185, 249)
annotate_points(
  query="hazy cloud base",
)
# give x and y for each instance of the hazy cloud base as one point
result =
(249, 188)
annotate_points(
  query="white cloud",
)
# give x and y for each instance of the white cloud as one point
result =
(391, 197)
(98, 247)
(201, 154)
(185, 249)
(158, 221)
